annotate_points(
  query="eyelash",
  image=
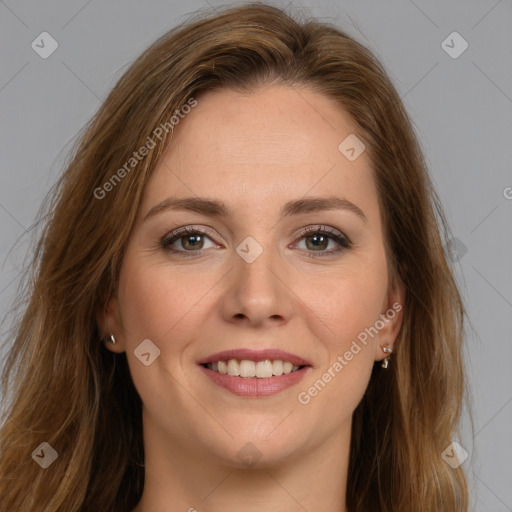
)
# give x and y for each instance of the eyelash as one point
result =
(344, 242)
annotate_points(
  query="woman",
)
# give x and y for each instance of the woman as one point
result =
(240, 295)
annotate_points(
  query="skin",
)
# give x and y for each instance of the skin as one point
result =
(255, 152)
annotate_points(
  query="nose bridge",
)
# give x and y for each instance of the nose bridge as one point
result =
(256, 265)
(256, 291)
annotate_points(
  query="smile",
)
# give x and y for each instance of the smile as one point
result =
(247, 369)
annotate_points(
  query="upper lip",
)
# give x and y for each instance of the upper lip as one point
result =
(255, 355)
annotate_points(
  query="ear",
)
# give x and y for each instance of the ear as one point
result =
(109, 323)
(391, 316)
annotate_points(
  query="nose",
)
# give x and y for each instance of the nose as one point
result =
(258, 294)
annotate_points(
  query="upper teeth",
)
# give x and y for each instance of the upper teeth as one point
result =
(246, 368)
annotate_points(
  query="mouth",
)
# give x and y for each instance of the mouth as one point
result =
(255, 374)
(247, 369)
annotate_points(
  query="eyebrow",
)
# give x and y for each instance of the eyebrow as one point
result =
(215, 208)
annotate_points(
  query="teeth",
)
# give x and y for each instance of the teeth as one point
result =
(247, 368)
(277, 367)
(263, 369)
(233, 368)
(250, 369)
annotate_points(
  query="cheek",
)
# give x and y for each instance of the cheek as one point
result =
(158, 305)
(346, 303)
(154, 301)
(342, 379)
(141, 306)
(352, 311)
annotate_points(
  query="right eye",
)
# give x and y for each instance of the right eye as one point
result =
(190, 238)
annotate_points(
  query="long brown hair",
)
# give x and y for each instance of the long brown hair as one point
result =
(68, 390)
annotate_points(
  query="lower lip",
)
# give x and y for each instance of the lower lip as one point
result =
(255, 388)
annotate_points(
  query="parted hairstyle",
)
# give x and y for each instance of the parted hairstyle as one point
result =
(61, 385)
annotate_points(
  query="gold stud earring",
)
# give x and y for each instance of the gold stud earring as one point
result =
(385, 362)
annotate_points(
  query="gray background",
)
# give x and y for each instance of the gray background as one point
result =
(461, 108)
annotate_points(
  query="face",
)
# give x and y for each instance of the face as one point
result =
(264, 275)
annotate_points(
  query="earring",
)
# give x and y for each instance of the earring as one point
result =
(112, 339)
(385, 362)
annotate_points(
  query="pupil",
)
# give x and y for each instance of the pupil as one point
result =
(195, 239)
(318, 240)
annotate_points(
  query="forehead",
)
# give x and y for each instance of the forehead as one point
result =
(278, 143)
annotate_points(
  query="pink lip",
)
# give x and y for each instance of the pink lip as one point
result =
(255, 355)
(255, 388)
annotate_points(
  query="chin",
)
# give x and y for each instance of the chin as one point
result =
(252, 447)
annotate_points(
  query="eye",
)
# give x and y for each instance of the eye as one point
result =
(190, 238)
(317, 239)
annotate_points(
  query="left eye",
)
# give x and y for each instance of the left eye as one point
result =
(320, 237)
(318, 240)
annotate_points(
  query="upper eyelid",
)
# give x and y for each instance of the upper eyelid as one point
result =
(186, 229)
(313, 228)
